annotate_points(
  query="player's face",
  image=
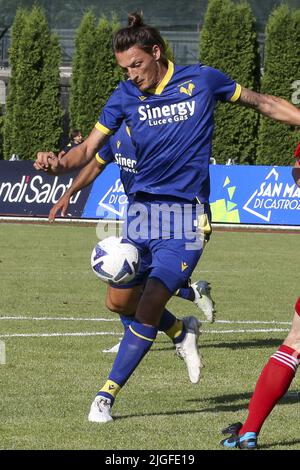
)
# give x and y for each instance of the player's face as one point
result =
(141, 67)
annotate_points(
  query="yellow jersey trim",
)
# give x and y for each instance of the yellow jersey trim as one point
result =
(160, 88)
(99, 159)
(140, 336)
(103, 129)
(236, 94)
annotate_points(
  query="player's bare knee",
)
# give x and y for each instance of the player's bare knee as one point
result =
(113, 306)
(293, 341)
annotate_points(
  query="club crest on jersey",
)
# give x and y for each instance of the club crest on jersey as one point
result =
(118, 144)
(188, 90)
(142, 98)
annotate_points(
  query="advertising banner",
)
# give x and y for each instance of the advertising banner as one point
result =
(27, 192)
(254, 195)
(239, 194)
(107, 199)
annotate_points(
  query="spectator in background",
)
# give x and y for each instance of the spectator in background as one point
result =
(75, 139)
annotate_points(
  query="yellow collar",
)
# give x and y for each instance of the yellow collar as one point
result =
(160, 88)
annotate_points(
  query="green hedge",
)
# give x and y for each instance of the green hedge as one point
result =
(94, 71)
(228, 42)
(9, 127)
(281, 68)
(33, 120)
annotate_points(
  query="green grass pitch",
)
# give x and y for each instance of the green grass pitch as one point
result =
(48, 382)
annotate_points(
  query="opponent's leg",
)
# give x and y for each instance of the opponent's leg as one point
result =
(272, 384)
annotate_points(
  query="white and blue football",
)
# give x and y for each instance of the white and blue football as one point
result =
(116, 260)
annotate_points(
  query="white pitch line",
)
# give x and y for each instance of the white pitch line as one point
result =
(250, 322)
(111, 333)
(48, 335)
(58, 318)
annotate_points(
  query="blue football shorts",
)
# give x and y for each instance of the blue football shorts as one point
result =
(170, 235)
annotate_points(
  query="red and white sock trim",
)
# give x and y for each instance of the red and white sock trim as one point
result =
(286, 359)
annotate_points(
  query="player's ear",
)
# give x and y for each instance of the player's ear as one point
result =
(156, 52)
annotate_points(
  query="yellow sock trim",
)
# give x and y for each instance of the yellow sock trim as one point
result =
(140, 336)
(175, 330)
(111, 387)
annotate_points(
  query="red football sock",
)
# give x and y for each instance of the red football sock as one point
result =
(272, 384)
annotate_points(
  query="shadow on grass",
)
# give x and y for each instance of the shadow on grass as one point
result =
(215, 404)
(232, 345)
(290, 397)
(280, 443)
(213, 409)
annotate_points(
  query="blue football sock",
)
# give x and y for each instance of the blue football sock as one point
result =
(167, 320)
(173, 327)
(186, 293)
(136, 342)
(126, 321)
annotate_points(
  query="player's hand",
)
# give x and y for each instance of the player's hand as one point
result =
(48, 162)
(61, 205)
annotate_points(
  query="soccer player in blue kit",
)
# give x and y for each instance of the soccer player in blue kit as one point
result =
(169, 110)
(122, 299)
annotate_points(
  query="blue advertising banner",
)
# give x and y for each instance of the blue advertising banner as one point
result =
(239, 194)
(27, 192)
(107, 199)
(254, 195)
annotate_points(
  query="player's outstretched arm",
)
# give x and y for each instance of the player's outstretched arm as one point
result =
(271, 106)
(86, 176)
(76, 157)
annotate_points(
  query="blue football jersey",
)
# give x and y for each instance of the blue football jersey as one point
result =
(119, 149)
(171, 128)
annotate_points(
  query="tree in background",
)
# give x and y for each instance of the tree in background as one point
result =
(94, 71)
(9, 127)
(35, 109)
(108, 72)
(169, 51)
(84, 64)
(228, 42)
(281, 69)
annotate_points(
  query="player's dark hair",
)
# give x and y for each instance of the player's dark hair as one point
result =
(137, 33)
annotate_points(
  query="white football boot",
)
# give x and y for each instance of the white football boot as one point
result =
(100, 411)
(203, 299)
(188, 349)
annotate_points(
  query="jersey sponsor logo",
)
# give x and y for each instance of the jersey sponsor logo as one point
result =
(127, 164)
(167, 114)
